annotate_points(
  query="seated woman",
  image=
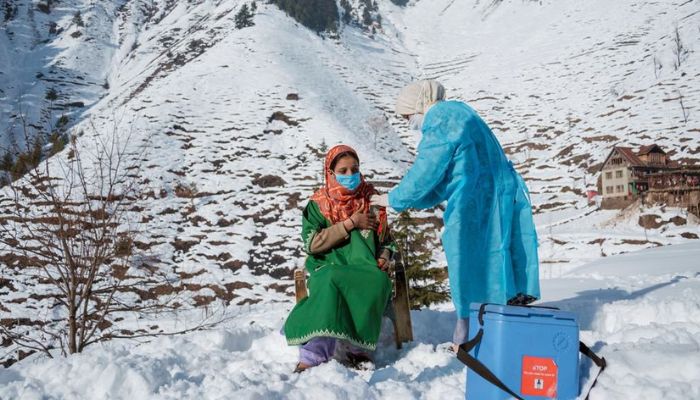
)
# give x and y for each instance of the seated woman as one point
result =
(348, 250)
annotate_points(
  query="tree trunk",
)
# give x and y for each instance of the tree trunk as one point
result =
(72, 327)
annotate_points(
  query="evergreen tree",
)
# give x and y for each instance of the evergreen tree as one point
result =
(62, 122)
(51, 95)
(27, 161)
(44, 7)
(36, 152)
(367, 17)
(426, 286)
(58, 143)
(78, 19)
(322, 150)
(7, 161)
(254, 6)
(318, 15)
(244, 18)
(347, 11)
(10, 10)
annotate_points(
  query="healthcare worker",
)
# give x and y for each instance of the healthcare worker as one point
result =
(489, 236)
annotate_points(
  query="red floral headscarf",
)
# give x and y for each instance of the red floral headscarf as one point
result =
(336, 202)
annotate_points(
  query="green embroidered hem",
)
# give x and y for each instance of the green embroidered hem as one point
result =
(337, 335)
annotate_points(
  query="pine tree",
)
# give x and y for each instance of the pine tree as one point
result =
(62, 122)
(27, 161)
(10, 10)
(347, 11)
(58, 143)
(318, 15)
(426, 285)
(322, 149)
(36, 152)
(78, 19)
(254, 6)
(367, 17)
(44, 7)
(244, 18)
(51, 95)
(7, 161)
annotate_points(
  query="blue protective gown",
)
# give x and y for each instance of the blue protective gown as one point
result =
(489, 237)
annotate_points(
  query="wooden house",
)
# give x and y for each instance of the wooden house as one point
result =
(625, 173)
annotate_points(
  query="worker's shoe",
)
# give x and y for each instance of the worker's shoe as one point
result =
(361, 361)
(521, 300)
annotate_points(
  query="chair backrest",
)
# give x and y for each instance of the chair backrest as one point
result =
(300, 284)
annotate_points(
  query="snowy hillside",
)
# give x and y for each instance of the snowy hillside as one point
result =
(640, 311)
(243, 115)
(54, 62)
(561, 82)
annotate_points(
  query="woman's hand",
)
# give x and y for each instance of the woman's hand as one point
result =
(364, 221)
(383, 264)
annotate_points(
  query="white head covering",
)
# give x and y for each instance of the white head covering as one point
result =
(417, 97)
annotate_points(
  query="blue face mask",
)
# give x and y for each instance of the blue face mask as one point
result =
(350, 182)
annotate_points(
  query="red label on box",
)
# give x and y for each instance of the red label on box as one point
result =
(539, 377)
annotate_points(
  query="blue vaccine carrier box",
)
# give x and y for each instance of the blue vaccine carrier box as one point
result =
(533, 350)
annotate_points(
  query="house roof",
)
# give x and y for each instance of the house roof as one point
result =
(649, 148)
(634, 160)
(628, 153)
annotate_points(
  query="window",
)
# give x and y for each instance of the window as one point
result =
(618, 174)
(608, 175)
(609, 189)
(620, 188)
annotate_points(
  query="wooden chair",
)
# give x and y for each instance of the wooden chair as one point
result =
(399, 313)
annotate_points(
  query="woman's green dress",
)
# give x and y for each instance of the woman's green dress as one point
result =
(347, 291)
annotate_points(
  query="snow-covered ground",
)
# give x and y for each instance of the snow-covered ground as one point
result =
(640, 311)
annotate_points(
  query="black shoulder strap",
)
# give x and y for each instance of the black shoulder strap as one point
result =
(476, 365)
(484, 372)
(599, 361)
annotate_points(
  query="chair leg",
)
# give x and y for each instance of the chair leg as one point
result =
(397, 339)
(390, 312)
(402, 311)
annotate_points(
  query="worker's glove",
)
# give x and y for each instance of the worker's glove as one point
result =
(381, 200)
